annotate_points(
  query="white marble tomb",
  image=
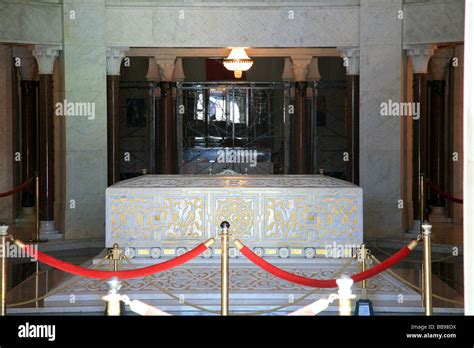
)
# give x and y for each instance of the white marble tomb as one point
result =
(280, 215)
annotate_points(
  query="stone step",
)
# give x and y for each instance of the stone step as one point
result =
(238, 307)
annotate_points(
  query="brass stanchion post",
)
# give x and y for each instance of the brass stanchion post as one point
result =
(3, 275)
(116, 257)
(422, 201)
(37, 212)
(225, 268)
(422, 285)
(345, 295)
(37, 283)
(37, 191)
(363, 305)
(113, 298)
(37, 203)
(428, 290)
(363, 256)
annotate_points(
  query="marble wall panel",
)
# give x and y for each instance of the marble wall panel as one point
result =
(434, 21)
(457, 141)
(97, 24)
(152, 23)
(85, 147)
(87, 219)
(468, 130)
(162, 26)
(28, 22)
(380, 80)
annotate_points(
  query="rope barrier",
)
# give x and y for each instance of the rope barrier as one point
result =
(17, 188)
(441, 259)
(298, 300)
(180, 300)
(147, 271)
(100, 274)
(324, 283)
(265, 311)
(52, 292)
(413, 286)
(49, 293)
(443, 194)
(170, 294)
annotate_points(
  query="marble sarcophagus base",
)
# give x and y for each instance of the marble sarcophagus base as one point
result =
(278, 215)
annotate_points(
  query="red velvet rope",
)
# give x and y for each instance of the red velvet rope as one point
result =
(16, 189)
(98, 274)
(444, 194)
(323, 283)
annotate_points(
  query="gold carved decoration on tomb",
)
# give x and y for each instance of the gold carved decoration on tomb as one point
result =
(182, 217)
(285, 218)
(240, 214)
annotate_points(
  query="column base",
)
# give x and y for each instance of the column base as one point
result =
(48, 231)
(26, 215)
(438, 214)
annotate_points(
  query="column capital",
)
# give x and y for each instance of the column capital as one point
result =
(313, 70)
(178, 73)
(352, 54)
(45, 56)
(114, 57)
(439, 64)
(287, 74)
(28, 68)
(153, 73)
(166, 65)
(420, 57)
(300, 67)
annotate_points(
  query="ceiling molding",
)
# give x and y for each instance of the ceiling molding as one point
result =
(224, 52)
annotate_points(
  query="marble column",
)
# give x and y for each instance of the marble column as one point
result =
(351, 55)
(301, 123)
(29, 113)
(178, 76)
(313, 77)
(166, 154)
(468, 230)
(288, 77)
(436, 138)
(114, 56)
(45, 57)
(420, 56)
(153, 76)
